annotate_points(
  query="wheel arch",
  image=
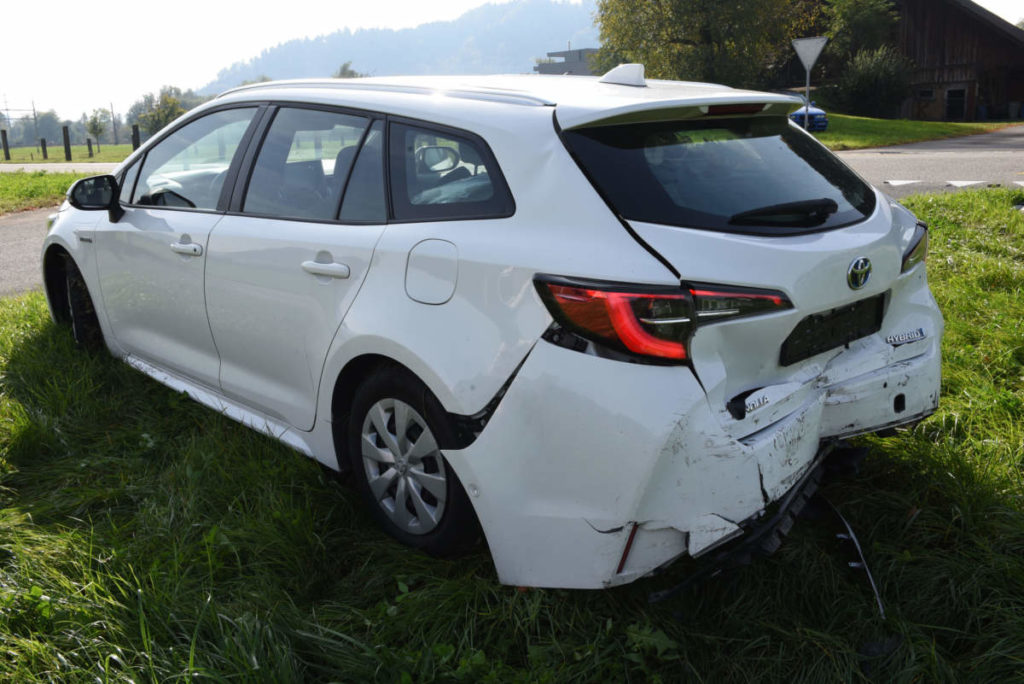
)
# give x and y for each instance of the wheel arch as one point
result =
(352, 375)
(54, 282)
(465, 428)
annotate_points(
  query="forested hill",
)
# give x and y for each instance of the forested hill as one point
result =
(505, 38)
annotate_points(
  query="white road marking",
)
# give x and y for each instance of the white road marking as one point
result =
(1020, 183)
(898, 183)
(963, 184)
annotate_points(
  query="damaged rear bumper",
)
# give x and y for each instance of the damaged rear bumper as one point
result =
(762, 534)
(624, 468)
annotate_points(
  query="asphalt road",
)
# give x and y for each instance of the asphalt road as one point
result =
(21, 239)
(975, 161)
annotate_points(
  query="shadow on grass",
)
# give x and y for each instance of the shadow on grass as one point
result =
(212, 549)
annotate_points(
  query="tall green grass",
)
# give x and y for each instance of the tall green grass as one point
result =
(856, 132)
(30, 189)
(145, 538)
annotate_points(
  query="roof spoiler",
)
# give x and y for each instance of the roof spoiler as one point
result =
(717, 105)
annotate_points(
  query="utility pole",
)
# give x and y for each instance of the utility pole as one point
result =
(113, 122)
(35, 123)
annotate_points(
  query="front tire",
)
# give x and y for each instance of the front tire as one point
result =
(85, 326)
(394, 432)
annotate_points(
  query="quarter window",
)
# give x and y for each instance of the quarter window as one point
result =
(438, 175)
(128, 184)
(188, 168)
(303, 164)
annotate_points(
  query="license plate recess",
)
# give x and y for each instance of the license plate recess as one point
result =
(821, 332)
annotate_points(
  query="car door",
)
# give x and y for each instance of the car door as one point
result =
(285, 264)
(151, 261)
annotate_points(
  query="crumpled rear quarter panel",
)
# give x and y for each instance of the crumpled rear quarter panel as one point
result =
(582, 449)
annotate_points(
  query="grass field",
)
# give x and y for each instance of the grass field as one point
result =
(145, 538)
(27, 190)
(856, 132)
(79, 153)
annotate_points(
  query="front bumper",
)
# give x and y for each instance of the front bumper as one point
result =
(592, 472)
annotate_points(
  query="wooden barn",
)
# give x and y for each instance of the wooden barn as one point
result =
(970, 62)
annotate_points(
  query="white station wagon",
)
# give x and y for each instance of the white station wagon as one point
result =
(607, 322)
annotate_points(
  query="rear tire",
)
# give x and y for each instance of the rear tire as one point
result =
(394, 431)
(85, 326)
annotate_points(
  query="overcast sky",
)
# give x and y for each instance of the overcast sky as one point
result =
(77, 56)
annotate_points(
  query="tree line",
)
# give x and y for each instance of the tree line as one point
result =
(743, 43)
(26, 130)
(151, 112)
(746, 43)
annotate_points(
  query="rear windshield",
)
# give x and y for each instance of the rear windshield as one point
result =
(750, 175)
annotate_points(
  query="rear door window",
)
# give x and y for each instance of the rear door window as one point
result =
(303, 164)
(754, 175)
(441, 175)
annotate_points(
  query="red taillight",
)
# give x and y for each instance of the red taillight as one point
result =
(646, 323)
(649, 321)
(716, 302)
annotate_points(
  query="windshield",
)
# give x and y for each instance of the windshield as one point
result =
(752, 175)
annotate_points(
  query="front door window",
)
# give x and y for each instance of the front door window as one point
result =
(187, 169)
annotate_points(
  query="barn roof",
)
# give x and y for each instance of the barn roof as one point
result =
(992, 19)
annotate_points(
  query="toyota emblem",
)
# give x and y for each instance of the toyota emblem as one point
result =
(859, 272)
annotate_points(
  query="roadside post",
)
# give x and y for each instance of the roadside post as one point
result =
(808, 50)
(135, 136)
(42, 145)
(3, 139)
(67, 143)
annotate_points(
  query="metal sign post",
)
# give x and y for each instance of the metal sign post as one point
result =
(808, 50)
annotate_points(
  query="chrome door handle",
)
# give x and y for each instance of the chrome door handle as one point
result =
(188, 249)
(330, 270)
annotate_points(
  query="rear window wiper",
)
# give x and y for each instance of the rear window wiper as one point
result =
(804, 213)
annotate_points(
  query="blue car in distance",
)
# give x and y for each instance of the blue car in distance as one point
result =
(818, 118)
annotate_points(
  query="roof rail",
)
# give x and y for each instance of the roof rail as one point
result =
(468, 93)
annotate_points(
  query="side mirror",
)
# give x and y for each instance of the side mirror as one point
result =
(437, 159)
(96, 193)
